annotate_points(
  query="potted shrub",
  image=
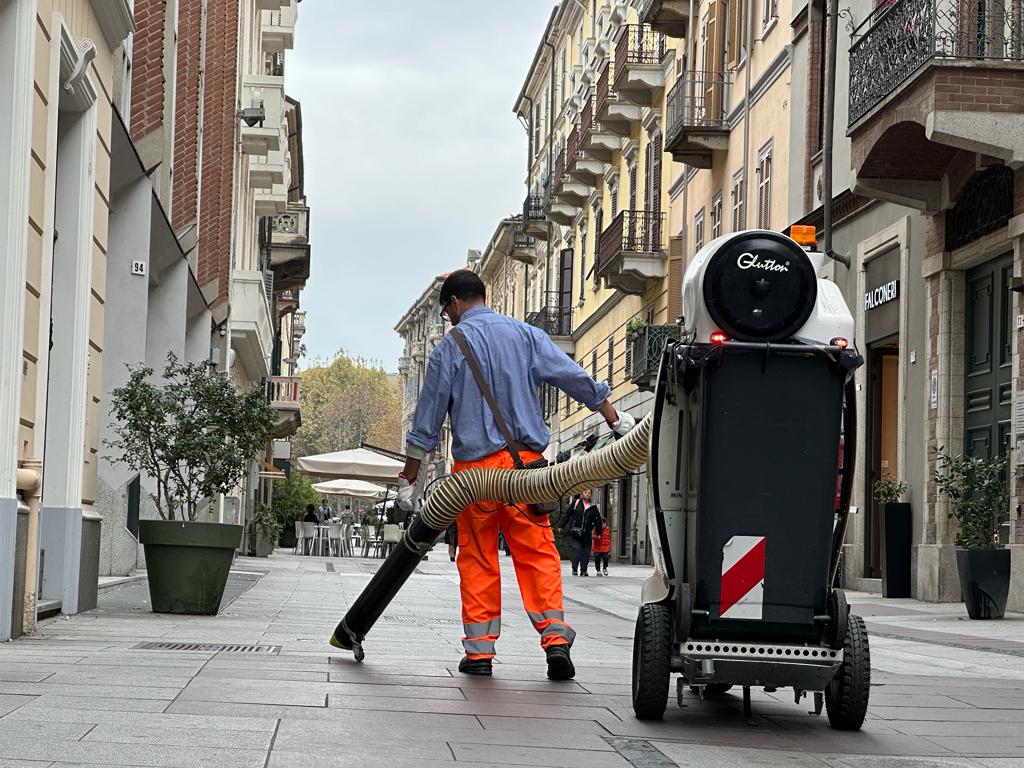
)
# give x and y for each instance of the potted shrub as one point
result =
(264, 530)
(978, 491)
(896, 536)
(192, 436)
(290, 499)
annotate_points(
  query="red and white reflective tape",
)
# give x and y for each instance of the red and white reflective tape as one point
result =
(742, 594)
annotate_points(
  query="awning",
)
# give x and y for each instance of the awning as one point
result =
(269, 471)
(353, 464)
(358, 488)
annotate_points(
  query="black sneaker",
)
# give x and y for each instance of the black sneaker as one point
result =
(584, 574)
(559, 664)
(478, 667)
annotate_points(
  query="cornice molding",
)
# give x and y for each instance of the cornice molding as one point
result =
(115, 19)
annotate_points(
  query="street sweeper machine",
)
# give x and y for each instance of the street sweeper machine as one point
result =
(749, 451)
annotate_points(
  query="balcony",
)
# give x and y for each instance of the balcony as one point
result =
(252, 332)
(534, 220)
(270, 202)
(289, 247)
(265, 135)
(564, 185)
(643, 353)
(631, 251)
(696, 121)
(670, 17)
(278, 33)
(404, 364)
(524, 246)
(286, 301)
(298, 326)
(639, 73)
(267, 170)
(614, 114)
(435, 333)
(284, 393)
(929, 79)
(598, 144)
(556, 321)
(583, 169)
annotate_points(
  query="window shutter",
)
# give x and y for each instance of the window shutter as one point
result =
(632, 187)
(734, 44)
(615, 201)
(648, 176)
(611, 361)
(655, 204)
(675, 281)
(593, 364)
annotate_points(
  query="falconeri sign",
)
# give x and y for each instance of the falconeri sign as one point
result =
(883, 294)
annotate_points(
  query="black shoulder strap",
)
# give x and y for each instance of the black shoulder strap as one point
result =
(499, 420)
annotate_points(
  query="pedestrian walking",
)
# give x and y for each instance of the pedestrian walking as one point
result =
(451, 538)
(602, 547)
(484, 376)
(582, 520)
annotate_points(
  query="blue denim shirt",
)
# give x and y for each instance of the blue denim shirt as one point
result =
(516, 359)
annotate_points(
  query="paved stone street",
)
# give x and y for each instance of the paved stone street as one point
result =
(945, 691)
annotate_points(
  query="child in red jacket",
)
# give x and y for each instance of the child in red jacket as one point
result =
(602, 547)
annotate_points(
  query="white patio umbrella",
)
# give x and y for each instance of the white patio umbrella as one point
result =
(359, 489)
(353, 464)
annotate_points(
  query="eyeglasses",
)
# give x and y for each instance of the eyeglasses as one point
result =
(444, 308)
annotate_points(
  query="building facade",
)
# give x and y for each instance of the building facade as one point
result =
(145, 214)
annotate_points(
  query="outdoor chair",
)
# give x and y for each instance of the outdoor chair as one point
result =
(298, 538)
(334, 539)
(390, 536)
(346, 539)
(309, 535)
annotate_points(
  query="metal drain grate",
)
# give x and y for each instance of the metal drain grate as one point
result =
(208, 647)
(418, 620)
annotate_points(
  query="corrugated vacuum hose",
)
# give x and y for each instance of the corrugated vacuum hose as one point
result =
(530, 486)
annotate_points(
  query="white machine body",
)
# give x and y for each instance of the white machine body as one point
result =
(758, 274)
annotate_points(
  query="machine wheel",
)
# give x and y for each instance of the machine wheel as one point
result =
(652, 656)
(712, 689)
(846, 697)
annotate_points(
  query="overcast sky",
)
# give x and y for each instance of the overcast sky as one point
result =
(412, 151)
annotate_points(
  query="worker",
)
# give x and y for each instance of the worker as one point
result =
(514, 359)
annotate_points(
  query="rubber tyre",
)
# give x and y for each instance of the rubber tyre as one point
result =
(712, 689)
(652, 658)
(846, 697)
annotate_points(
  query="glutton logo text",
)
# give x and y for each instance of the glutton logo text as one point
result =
(753, 261)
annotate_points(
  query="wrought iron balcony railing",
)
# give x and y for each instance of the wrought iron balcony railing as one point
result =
(520, 239)
(533, 208)
(637, 44)
(557, 175)
(553, 318)
(696, 101)
(587, 121)
(895, 41)
(572, 146)
(604, 90)
(631, 232)
(644, 351)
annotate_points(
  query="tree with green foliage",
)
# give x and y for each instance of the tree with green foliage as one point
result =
(291, 497)
(194, 433)
(346, 402)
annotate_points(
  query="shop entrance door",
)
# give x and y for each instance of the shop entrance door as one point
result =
(988, 387)
(883, 414)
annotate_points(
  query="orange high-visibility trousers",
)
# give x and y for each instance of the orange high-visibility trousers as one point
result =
(531, 542)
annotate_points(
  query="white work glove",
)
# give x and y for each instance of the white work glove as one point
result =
(405, 500)
(624, 423)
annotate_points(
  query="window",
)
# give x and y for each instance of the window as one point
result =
(632, 186)
(698, 230)
(598, 228)
(615, 201)
(769, 13)
(611, 361)
(716, 216)
(536, 129)
(593, 364)
(735, 49)
(764, 187)
(583, 261)
(737, 198)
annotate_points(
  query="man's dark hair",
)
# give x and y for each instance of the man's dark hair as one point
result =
(464, 285)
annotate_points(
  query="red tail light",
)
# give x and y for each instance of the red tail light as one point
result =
(719, 337)
(840, 342)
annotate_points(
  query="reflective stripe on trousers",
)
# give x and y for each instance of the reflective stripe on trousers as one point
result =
(479, 638)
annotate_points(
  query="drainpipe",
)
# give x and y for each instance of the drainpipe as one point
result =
(551, 150)
(30, 484)
(528, 124)
(826, 150)
(746, 112)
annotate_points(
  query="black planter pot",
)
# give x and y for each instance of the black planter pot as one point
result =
(984, 581)
(895, 549)
(188, 563)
